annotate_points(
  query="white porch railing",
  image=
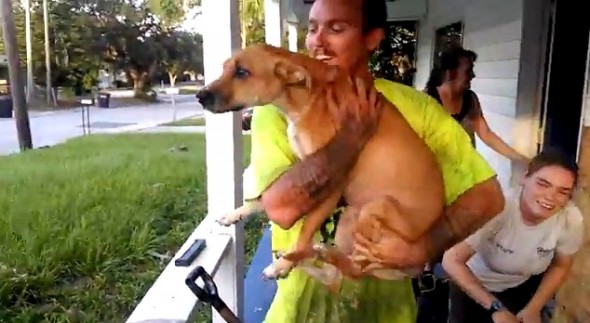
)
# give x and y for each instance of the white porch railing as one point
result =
(169, 299)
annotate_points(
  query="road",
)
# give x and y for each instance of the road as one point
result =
(50, 128)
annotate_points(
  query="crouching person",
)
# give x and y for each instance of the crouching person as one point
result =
(510, 268)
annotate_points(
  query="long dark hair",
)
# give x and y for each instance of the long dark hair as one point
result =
(447, 60)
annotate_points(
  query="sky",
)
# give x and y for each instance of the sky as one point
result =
(193, 24)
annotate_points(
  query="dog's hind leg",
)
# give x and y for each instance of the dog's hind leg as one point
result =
(303, 247)
(327, 274)
(333, 256)
(241, 213)
(382, 223)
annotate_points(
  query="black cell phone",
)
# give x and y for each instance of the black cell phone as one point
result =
(191, 253)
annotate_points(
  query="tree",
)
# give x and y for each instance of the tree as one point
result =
(129, 41)
(183, 53)
(19, 22)
(139, 38)
(394, 59)
(252, 21)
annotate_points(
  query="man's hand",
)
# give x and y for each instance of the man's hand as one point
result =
(310, 181)
(467, 214)
(361, 114)
(390, 250)
(504, 316)
(528, 315)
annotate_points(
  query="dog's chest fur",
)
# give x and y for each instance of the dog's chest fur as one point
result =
(291, 134)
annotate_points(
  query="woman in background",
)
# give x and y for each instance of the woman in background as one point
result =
(449, 83)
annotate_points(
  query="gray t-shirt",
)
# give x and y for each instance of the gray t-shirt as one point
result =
(508, 251)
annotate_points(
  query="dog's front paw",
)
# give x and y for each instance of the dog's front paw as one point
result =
(229, 219)
(278, 269)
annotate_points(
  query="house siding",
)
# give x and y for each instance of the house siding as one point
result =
(493, 29)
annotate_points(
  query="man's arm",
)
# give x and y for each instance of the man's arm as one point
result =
(463, 217)
(310, 181)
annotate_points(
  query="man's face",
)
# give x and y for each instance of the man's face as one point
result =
(335, 34)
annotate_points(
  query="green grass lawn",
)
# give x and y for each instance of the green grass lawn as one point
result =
(188, 90)
(188, 122)
(81, 223)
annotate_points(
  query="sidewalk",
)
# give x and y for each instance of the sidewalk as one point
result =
(48, 129)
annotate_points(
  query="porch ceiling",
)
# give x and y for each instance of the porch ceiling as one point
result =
(297, 11)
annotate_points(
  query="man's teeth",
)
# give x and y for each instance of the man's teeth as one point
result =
(323, 57)
(546, 205)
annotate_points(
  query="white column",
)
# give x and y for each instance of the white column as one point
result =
(224, 148)
(273, 22)
(293, 35)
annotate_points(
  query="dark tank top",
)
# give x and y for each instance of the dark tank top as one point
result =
(465, 107)
(461, 116)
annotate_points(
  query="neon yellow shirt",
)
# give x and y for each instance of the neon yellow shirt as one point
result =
(300, 298)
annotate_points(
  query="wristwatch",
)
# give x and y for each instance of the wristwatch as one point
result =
(496, 306)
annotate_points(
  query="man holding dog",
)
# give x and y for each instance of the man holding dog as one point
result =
(344, 33)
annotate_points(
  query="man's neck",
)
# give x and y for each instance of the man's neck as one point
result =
(363, 73)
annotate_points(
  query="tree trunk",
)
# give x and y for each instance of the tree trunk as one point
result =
(139, 86)
(17, 89)
(139, 82)
(172, 77)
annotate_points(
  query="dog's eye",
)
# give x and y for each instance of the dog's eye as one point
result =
(240, 72)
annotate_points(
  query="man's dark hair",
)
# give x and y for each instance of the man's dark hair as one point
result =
(374, 15)
(447, 60)
(553, 157)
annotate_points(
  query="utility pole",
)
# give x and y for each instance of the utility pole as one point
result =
(21, 115)
(47, 58)
(30, 81)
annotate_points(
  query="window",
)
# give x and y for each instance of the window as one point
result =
(448, 35)
(395, 58)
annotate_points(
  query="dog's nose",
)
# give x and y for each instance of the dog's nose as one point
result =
(206, 98)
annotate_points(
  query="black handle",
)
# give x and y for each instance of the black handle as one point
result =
(191, 253)
(208, 294)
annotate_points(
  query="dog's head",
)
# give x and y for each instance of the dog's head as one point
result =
(262, 74)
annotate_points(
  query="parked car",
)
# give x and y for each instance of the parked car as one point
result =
(247, 118)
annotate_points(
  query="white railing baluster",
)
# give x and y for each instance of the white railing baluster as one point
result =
(221, 38)
(169, 299)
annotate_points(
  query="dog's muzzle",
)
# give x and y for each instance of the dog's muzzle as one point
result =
(214, 103)
(207, 99)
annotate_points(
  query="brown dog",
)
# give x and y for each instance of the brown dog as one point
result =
(396, 184)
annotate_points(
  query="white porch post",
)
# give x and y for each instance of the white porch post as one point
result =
(273, 22)
(293, 35)
(223, 136)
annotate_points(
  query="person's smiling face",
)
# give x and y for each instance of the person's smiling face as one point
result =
(335, 34)
(545, 192)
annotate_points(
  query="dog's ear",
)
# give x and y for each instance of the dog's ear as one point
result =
(292, 74)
